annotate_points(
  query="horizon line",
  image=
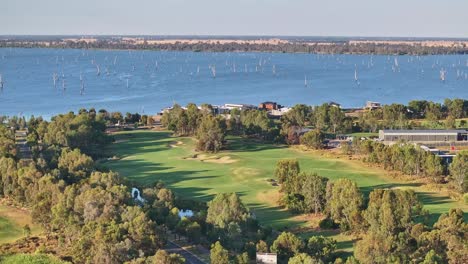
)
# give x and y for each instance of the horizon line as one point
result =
(240, 35)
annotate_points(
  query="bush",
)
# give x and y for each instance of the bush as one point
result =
(465, 198)
(313, 139)
(327, 223)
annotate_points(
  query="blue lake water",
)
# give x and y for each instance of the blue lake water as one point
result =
(157, 79)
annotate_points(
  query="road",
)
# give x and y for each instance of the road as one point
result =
(22, 145)
(190, 258)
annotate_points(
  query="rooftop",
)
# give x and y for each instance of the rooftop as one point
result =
(424, 131)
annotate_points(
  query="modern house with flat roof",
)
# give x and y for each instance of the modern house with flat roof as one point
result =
(373, 105)
(423, 135)
(239, 106)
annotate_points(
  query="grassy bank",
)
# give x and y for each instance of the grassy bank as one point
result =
(12, 221)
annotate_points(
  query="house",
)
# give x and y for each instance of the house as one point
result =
(423, 135)
(220, 110)
(269, 106)
(373, 105)
(334, 104)
(279, 112)
(239, 106)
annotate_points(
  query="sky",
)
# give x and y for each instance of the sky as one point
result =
(379, 18)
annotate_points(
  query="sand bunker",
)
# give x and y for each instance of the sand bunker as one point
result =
(120, 141)
(176, 144)
(212, 159)
(128, 158)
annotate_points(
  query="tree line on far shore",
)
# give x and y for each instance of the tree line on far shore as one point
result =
(339, 47)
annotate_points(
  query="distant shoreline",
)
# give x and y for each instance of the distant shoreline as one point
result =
(315, 45)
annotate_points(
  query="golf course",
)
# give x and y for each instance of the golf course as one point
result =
(149, 156)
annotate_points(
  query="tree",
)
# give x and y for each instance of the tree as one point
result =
(193, 118)
(344, 202)
(453, 231)
(459, 171)
(73, 165)
(432, 258)
(7, 142)
(447, 240)
(455, 107)
(418, 108)
(26, 230)
(303, 258)
(262, 247)
(433, 112)
(373, 248)
(84, 131)
(218, 255)
(450, 122)
(293, 121)
(224, 209)
(287, 245)
(391, 211)
(321, 247)
(210, 134)
(170, 118)
(193, 231)
(162, 257)
(336, 118)
(257, 123)
(321, 116)
(314, 192)
(370, 120)
(285, 169)
(313, 139)
(395, 116)
(242, 258)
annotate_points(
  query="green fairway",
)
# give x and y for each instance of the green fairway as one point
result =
(146, 157)
(150, 156)
(364, 134)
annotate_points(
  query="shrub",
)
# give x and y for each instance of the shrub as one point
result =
(327, 223)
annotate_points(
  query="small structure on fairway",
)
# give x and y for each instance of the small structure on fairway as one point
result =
(136, 195)
(267, 258)
(186, 213)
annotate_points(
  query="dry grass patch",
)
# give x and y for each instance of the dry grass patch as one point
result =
(270, 197)
(12, 221)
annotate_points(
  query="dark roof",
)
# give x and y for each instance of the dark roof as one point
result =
(269, 102)
(427, 131)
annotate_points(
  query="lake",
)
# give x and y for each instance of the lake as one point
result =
(147, 81)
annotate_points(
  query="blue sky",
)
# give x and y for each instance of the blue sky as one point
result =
(405, 18)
